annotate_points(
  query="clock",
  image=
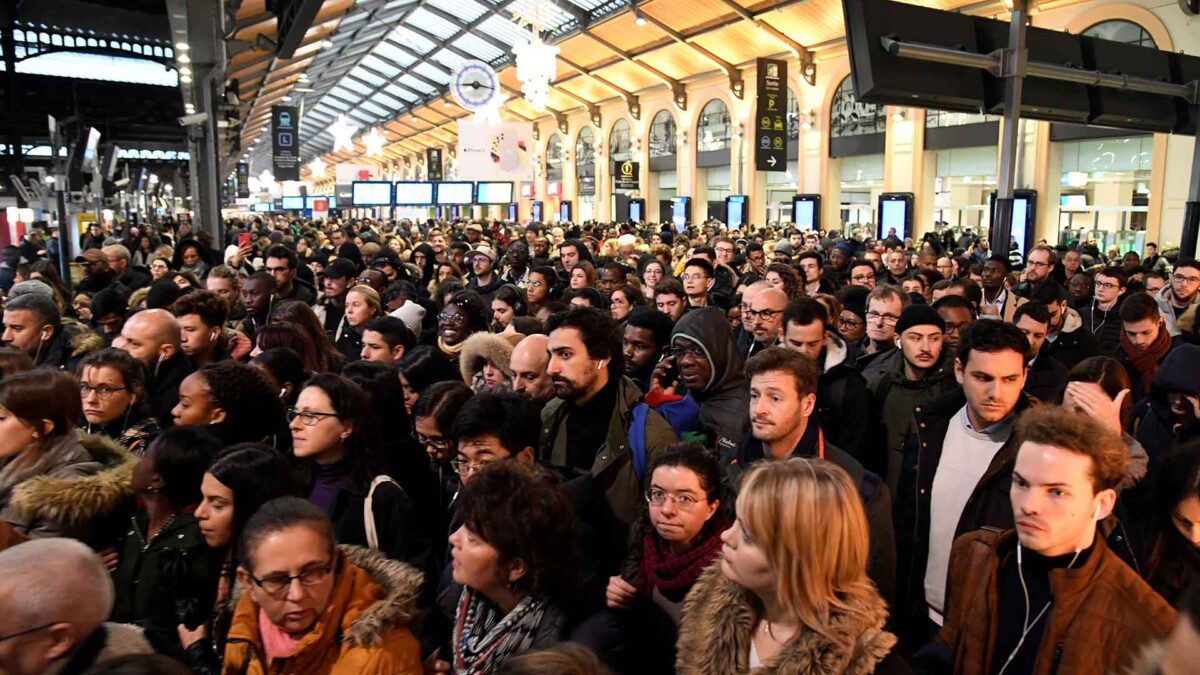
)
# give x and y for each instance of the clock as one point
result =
(475, 85)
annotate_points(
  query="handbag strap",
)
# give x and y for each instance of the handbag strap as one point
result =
(369, 513)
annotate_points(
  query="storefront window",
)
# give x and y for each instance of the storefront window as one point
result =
(1105, 191)
(662, 135)
(619, 147)
(661, 185)
(585, 174)
(849, 117)
(554, 158)
(712, 132)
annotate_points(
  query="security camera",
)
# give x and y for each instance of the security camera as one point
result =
(193, 120)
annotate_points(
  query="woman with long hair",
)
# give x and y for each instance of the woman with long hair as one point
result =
(785, 278)
(335, 435)
(362, 304)
(624, 300)
(791, 592)
(421, 368)
(284, 369)
(279, 336)
(300, 316)
(112, 386)
(1173, 563)
(651, 271)
(193, 257)
(583, 275)
(507, 303)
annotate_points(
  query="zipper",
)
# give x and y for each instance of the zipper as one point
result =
(1057, 661)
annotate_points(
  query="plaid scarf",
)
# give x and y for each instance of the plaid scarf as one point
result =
(483, 639)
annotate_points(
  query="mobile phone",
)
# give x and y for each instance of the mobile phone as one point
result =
(243, 239)
(671, 372)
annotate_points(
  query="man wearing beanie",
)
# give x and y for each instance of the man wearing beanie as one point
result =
(902, 379)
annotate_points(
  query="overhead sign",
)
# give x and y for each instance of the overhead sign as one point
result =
(625, 175)
(770, 116)
(285, 142)
(349, 173)
(433, 164)
(243, 180)
(497, 152)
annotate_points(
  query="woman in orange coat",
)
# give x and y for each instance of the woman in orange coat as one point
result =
(315, 608)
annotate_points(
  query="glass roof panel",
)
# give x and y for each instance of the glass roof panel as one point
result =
(469, 10)
(401, 93)
(378, 111)
(480, 48)
(432, 24)
(387, 101)
(345, 94)
(432, 72)
(391, 52)
(367, 76)
(414, 84)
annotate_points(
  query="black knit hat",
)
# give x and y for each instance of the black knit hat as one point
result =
(919, 315)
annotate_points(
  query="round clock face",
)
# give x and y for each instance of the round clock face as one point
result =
(475, 85)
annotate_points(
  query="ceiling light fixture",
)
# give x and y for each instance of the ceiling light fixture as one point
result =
(536, 61)
(182, 46)
(638, 18)
(374, 142)
(326, 44)
(317, 167)
(186, 79)
(184, 58)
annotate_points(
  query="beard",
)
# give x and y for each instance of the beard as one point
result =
(567, 389)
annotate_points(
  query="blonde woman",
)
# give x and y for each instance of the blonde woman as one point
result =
(790, 593)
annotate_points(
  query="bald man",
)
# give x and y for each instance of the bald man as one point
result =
(152, 336)
(528, 363)
(766, 313)
(744, 335)
(54, 597)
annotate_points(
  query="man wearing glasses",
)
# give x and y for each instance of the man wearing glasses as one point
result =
(697, 278)
(484, 281)
(766, 315)
(709, 369)
(1039, 266)
(862, 273)
(884, 306)
(281, 263)
(1181, 296)
(1103, 316)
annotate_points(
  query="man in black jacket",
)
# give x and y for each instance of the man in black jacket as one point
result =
(783, 393)
(1068, 340)
(1047, 376)
(1103, 316)
(843, 404)
(152, 336)
(958, 465)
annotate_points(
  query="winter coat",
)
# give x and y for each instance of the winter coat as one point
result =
(717, 630)
(1073, 343)
(1105, 325)
(877, 500)
(725, 398)
(364, 630)
(135, 437)
(70, 344)
(108, 641)
(80, 498)
(163, 386)
(169, 581)
(1168, 310)
(1101, 615)
(1154, 423)
(988, 506)
(843, 403)
(613, 466)
(1046, 378)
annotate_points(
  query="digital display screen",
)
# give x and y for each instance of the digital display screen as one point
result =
(1020, 218)
(894, 215)
(536, 212)
(310, 201)
(803, 211)
(735, 212)
(455, 193)
(372, 193)
(262, 207)
(512, 212)
(679, 212)
(293, 203)
(414, 194)
(494, 193)
(564, 212)
(1073, 201)
(635, 212)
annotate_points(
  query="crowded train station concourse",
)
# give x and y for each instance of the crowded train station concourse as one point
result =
(599, 337)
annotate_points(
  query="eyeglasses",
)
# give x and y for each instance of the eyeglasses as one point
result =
(308, 418)
(724, 249)
(27, 631)
(954, 327)
(103, 392)
(887, 319)
(278, 270)
(683, 502)
(764, 314)
(451, 319)
(692, 277)
(438, 443)
(536, 284)
(848, 323)
(464, 468)
(1180, 279)
(277, 584)
(681, 353)
(862, 278)
(1107, 285)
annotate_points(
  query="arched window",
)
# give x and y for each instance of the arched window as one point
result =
(712, 131)
(554, 158)
(1120, 30)
(585, 148)
(849, 117)
(662, 135)
(619, 147)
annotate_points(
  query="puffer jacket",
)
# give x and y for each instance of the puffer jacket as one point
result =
(364, 630)
(84, 498)
(843, 404)
(718, 622)
(1105, 325)
(1101, 615)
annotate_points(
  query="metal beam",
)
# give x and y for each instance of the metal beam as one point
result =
(808, 66)
(678, 93)
(631, 99)
(736, 84)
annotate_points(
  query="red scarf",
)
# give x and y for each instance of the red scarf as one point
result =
(666, 571)
(1145, 361)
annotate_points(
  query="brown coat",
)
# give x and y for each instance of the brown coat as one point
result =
(1102, 615)
(363, 631)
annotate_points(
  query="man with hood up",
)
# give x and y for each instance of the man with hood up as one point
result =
(1170, 415)
(713, 372)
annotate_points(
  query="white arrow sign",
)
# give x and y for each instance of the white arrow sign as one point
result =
(771, 160)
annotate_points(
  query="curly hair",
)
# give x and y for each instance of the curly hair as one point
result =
(471, 303)
(791, 280)
(211, 309)
(520, 510)
(253, 411)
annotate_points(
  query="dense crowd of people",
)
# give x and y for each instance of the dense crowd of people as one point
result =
(473, 447)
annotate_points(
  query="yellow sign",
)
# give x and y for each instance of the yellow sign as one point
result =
(82, 220)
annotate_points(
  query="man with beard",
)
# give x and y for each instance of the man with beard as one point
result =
(97, 275)
(1179, 301)
(647, 336)
(587, 425)
(1041, 265)
(766, 313)
(902, 379)
(1067, 340)
(1047, 376)
(1144, 342)
(528, 364)
(998, 302)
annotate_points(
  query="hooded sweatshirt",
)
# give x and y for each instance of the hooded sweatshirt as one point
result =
(725, 398)
(1156, 431)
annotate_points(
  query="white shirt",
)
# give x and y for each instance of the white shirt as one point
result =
(966, 455)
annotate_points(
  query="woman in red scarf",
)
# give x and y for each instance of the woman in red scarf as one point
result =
(680, 535)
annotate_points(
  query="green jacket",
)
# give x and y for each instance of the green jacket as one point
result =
(613, 466)
(172, 580)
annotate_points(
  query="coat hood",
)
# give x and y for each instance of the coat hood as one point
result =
(718, 620)
(836, 352)
(482, 348)
(1072, 321)
(83, 340)
(709, 330)
(1179, 372)
(74, 499)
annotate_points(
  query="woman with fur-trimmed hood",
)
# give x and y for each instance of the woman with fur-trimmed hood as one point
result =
(484, 361)
(790, 593)
(54, 481)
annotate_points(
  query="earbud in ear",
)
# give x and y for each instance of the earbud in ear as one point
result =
(1096, 513)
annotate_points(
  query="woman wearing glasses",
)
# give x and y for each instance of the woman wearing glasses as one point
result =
(343, 473)
(112, 385)
(313, 608)
(463, 315)
(680, 535)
